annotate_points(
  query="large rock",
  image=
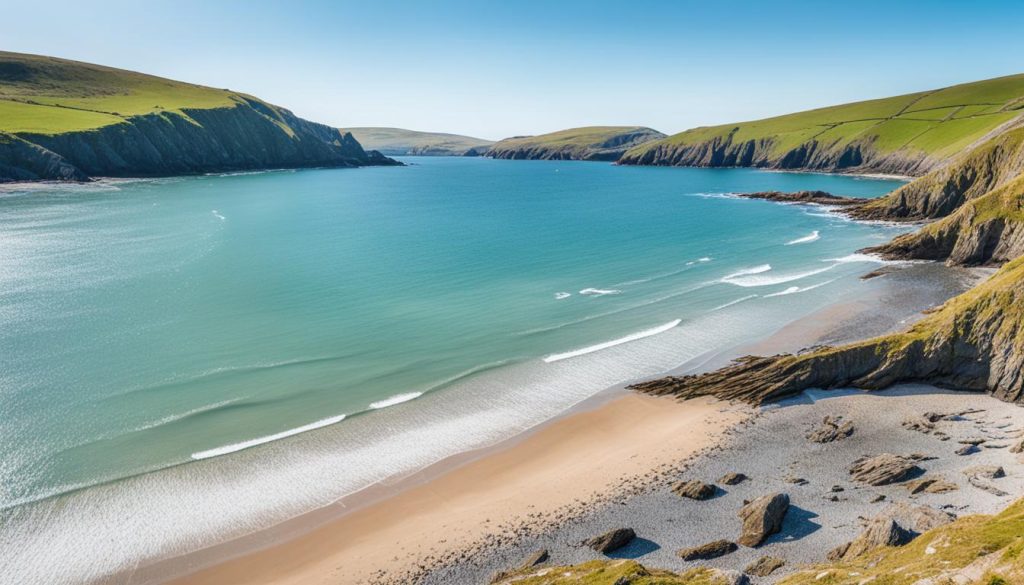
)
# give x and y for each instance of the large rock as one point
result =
(762, 518)
(694, 489)
(711, 550)
(985, 471)
(881, 531)
(733, 479)
(611, 540)
(764, 566)
(831, 429)
(884, 469)
(930, 485)
(916, 518)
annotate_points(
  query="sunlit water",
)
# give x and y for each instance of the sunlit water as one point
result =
(188, 360)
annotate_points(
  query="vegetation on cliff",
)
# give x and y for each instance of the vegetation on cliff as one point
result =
(68, 120)
(398, 142)
(909, 134)
(606, 143)
(611, 573)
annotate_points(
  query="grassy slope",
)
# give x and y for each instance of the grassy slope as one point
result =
(401, 141)
(574, 142)
(936, 123)
(974, 550)
(46, 95)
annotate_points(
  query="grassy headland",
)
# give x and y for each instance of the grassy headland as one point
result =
(606, 143)
(398, 141)
(62, 119)
(909, 134)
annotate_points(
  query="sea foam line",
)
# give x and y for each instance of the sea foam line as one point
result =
(796, 289)
(750, 280)
(731, 303)
(632, 337)
(814, 237)
(267, 439)
(396, 399)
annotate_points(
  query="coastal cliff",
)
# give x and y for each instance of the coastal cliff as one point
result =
(600, 143)
(907, 135)
(401, 142)
(63, 120)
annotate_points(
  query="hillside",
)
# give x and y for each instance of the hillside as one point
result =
(973, 550)
(606, 143)
(909, 134)
(398, 142)
(68, 120)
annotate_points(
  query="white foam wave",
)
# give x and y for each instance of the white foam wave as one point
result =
(267, 439)
(562, 295)
(173, 417)
(747, 281)
(714, 195)
(858, 257)
(796, 289)
(217, 215)
(397, 399)
(632, 337)
(814, 237)
(731, 303)
(598, 292)
(746, 271)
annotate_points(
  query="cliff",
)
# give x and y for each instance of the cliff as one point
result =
(399, 142)
(63, 120)
(910, 134)
(603, 143)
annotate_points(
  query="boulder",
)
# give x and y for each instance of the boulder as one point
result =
(694, 489)
(764, 566)
(711, 550)
(831, 429)
(884, 469)
(981, 485)
(881, 531)
(611, 540)
(917, 518)
(931, 485)
(985, 471)
(729, 577)
(733, 479)
(762, 518)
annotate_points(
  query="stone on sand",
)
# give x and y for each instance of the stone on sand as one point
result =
(611, 540)
(762, 518)
(694, 489)
(764, 566)
(884, 469)
(831, 429)
(710, 550)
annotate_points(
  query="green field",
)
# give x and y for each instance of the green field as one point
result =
(589, 136)
(587, 143)
(400, 141)
(935, 123)
(50, 96)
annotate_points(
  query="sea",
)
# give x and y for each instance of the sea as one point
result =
(185, 361)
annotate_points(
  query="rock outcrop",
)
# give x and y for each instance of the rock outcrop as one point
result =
(973, 342)
(762, 518)
(765, 566)
(831, 429)
(884, 469)
(808, 197)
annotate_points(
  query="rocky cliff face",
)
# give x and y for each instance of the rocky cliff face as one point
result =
(813, 155)
(249, 136)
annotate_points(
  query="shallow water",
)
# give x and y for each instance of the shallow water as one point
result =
(210, 355)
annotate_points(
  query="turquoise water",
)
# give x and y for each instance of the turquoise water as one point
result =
(257, 345)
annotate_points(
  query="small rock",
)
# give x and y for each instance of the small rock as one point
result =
(764, 566)
(973, 480)
(611, 540)
(972, 441)
(732, 479)
(1018, 448)
(694, 489)
(762, 518)
(535, 559)
(985, 471)
(837, 488)
(796, 480)
(878, 498)
(967, 450)
(831, 430)
(711, 550)
(729, 577)
(885, 469)
(919, 424)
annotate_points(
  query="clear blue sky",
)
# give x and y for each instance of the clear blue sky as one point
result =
(494, 69)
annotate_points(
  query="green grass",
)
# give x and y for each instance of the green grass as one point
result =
(50, 95)
(936, 122)
(588, 136)
(609, 573)
(401, 141)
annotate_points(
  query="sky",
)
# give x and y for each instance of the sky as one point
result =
(497, 69)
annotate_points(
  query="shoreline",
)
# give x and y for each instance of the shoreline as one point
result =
(296, 550)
